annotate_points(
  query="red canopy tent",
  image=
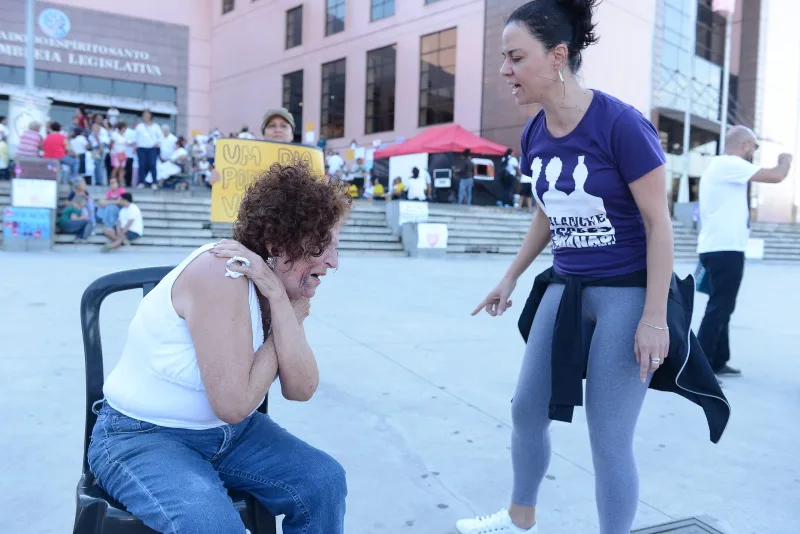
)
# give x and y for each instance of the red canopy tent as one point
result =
(450, 138)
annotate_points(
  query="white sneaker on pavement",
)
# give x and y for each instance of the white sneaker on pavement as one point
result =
(499, 523)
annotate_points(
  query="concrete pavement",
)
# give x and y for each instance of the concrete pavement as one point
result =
(414, 400)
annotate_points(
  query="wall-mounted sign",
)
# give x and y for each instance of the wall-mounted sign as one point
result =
(432, 235)
(34, 193)
(54, 23)
(26, 223)
(412, 212)
(96, 43)
(80, 54)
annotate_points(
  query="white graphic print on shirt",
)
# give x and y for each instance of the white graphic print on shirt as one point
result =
(578, 219)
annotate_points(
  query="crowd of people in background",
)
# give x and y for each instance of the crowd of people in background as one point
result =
(99, 149)
(99, 146)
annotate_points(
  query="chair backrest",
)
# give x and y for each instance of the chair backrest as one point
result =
(145, 279)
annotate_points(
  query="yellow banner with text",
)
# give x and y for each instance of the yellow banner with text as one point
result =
(240, 161)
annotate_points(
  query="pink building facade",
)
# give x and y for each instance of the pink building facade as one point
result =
(247, 78)
(381, 70)
(237, 54)
(174, 36)
(250, 59)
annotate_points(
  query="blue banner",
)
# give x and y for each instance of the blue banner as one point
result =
(26, 223)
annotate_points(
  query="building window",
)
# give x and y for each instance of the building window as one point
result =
(673, 80)
(381, 72)
(227, 6)
(294, 27)
(437, 81)
(334, 22)
(332, 108)
(382, 9)
(293, 101)
(710, 42)
(61, 81)
(129, 89)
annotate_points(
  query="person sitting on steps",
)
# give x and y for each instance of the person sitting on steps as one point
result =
(129, 227)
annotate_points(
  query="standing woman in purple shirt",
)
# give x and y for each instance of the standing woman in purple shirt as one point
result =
(598, 175)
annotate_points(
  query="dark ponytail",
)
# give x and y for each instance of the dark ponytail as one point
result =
(553, 22)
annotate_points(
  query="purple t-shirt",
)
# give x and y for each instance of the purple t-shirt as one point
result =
(581, 182)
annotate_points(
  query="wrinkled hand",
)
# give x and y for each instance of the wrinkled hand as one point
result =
(302, 308)
(650, 344)
(266, 281)
(498, 299)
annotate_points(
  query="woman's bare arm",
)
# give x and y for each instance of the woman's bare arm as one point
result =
(650, 194)
(297, 366)
(535, 241)
(217, 313)
(296, 363)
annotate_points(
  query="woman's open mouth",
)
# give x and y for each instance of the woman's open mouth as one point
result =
(515, 88)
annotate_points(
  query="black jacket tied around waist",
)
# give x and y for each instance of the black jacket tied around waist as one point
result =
(686, 370)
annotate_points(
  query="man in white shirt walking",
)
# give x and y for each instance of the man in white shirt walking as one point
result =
(725, 229)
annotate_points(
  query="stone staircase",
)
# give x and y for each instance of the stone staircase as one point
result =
(181, 219)
(501, 231)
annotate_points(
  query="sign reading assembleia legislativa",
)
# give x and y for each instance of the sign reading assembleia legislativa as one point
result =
(80, 53)
(69, 43)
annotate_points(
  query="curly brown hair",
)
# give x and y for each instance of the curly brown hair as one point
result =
(289, 210)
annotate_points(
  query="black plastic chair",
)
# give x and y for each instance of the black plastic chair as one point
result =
(96, 512)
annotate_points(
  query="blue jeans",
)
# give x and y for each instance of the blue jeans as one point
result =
(108, 214)
(176, 480)
(100, 176)
(80, 227)
(73, 164)
(465, 190)
(148, 158)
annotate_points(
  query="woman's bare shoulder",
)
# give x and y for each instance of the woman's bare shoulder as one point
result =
(204, 280)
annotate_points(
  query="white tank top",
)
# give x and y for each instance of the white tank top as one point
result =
(157, 378)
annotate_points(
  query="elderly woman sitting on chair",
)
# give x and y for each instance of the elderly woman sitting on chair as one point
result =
(179, 424)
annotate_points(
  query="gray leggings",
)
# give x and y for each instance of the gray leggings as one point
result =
(614, 397)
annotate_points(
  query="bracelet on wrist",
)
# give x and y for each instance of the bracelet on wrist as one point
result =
(663, 328)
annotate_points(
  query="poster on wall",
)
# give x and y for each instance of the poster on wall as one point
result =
(26, 223)
(412, 212)
(240, 161)
(34, 193)
(432, 235)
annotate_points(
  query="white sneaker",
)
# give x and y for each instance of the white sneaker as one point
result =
(499, 523)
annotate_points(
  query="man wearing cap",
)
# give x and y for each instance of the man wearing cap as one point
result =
(278, 125)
